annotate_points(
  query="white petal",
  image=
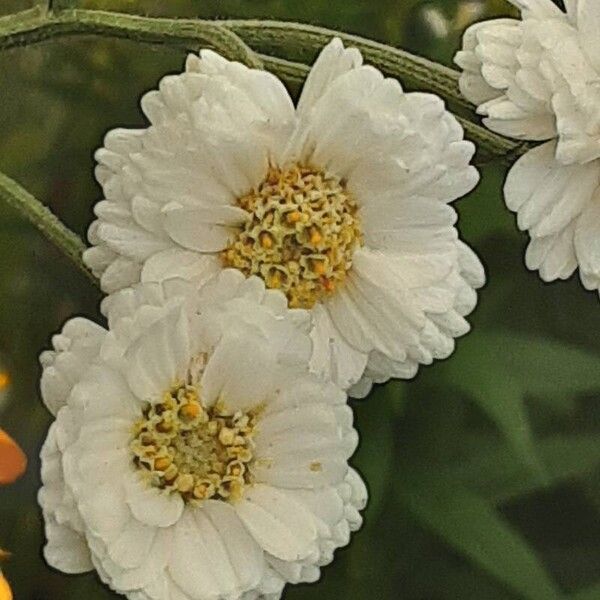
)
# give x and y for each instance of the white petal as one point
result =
(396, 224)
(332, 356)
(280, 525)
(176, 262)
(245, 555)
(304, 446)
(189, 229)
(554, 256)
(528, 173)
(75, 349)
(150, 505)
(333, 61)
(121, 273)
(66, 550)
(388, 325)
(240, 372)
(201, 564)
(588, 21)
(549, 197)
(587, 244)
(130, 240)
(540, 8)
(105, 512)
(130, 549)
(553, 203)
(157, 360)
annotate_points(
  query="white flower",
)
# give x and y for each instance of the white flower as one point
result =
(193, 456)
(539, 79)
(341, 203)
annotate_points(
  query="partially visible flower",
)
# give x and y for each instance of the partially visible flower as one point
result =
(13, 463)
(193, 456)
(539, 79)
(5, 591)
(4, 386)
(342, 203)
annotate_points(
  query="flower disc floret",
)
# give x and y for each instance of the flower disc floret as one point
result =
(301, 235)
(200, 453)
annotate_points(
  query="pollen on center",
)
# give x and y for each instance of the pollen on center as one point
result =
(302, 234)
(200, 453)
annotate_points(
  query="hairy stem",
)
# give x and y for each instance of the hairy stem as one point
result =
(39, 24)
(47, 223)
(303, 41)
(230, 37)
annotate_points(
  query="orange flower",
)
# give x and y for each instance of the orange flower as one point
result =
(5, 593)
(12, 461)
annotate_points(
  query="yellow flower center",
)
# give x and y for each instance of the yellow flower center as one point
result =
(301, 235)
(201, 453)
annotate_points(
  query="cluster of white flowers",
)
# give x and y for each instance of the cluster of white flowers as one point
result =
(538, 79)
(261, 261)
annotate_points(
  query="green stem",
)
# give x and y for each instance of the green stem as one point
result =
(229, 38)
(305, 41)
(45, 221)
(38, 24)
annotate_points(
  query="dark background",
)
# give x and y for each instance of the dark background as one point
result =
(483, 471)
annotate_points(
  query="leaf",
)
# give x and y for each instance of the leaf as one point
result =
(498, 476)
(473, 528)
(542, 367)
(499, 370)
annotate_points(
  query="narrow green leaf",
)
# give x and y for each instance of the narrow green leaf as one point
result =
(499, 370)
(498, 476)
(472, 527)
(502, 399)
(542, 367)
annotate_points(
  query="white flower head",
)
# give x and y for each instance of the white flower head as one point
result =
(342, 203)
(193, 455)
(539, 79)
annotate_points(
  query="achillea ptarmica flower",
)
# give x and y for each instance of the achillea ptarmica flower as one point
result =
(539, 79)
(340, 203)
(193, 455)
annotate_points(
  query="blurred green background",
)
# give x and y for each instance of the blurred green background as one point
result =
(483, 472)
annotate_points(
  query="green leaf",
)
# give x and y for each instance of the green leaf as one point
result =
(473, 528)
(543, 368)
(499, 370)
(498, 476)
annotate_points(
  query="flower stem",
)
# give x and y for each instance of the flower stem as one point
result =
(230, 37)
(38, 24)
(45, 221)
(305, 41)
